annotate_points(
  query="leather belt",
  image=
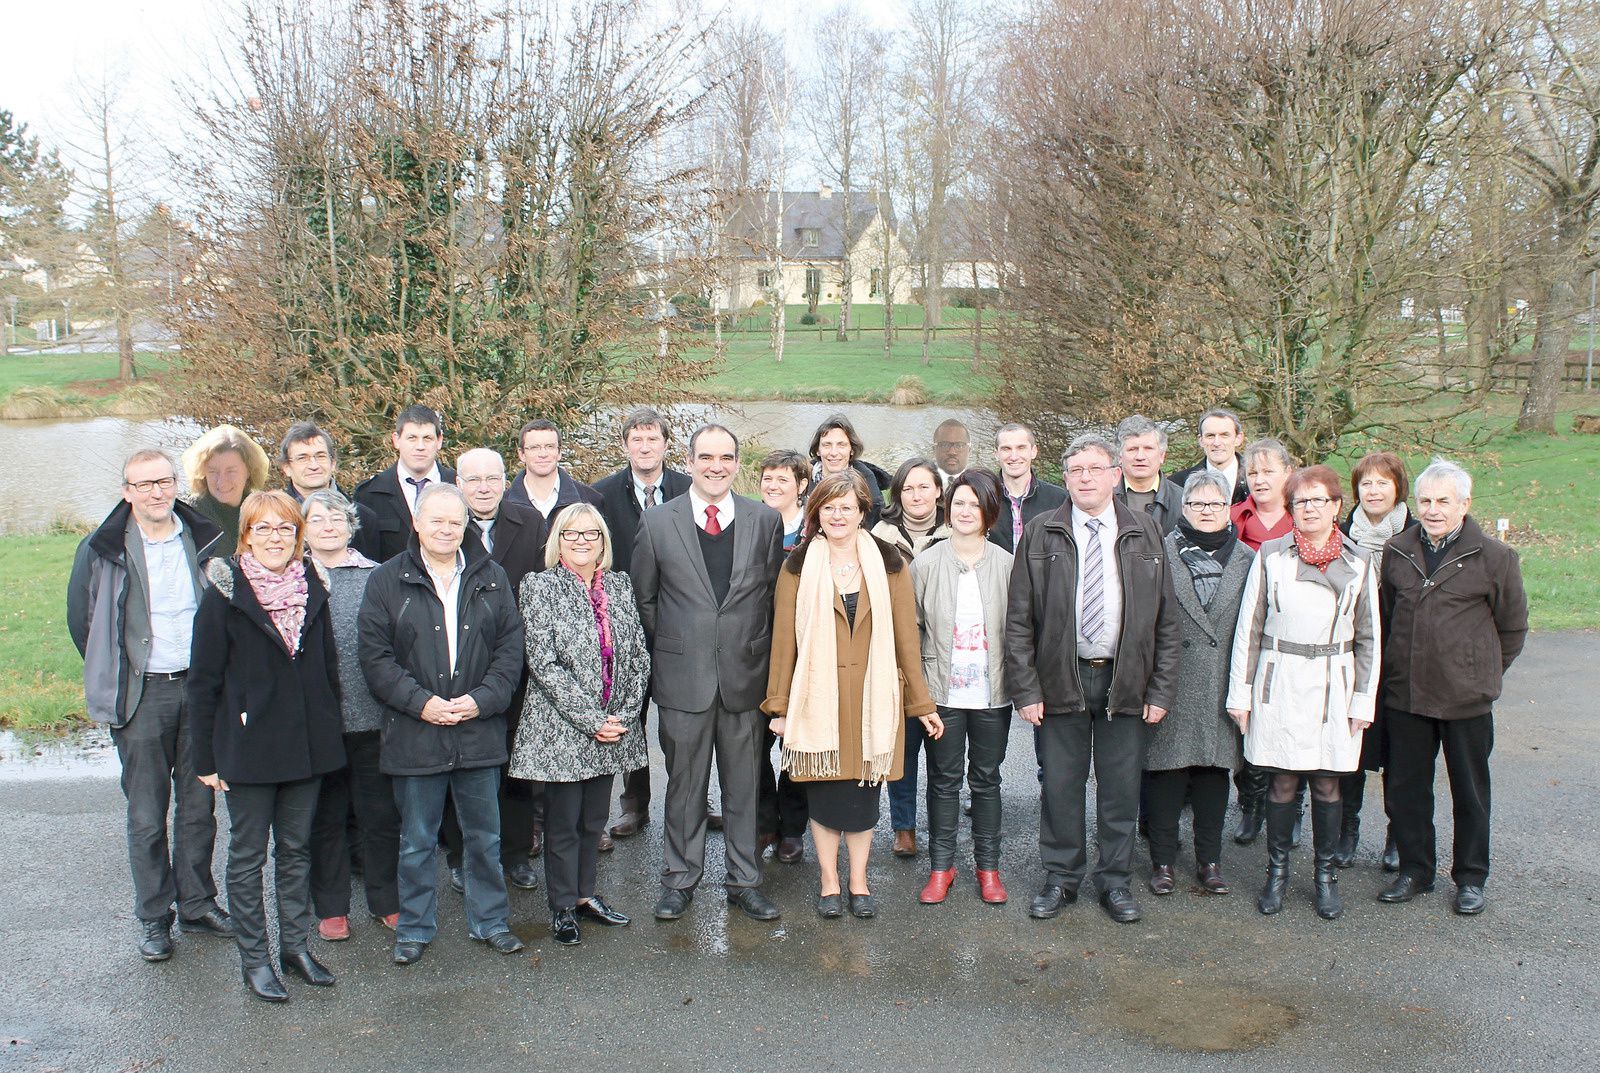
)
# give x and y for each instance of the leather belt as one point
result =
(1095, 662)
(1308, 651)
(166, 676)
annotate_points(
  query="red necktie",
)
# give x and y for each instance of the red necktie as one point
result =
(713, 527)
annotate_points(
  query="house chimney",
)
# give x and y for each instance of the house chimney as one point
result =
(826, 192)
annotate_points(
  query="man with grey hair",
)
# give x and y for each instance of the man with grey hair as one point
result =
(1455, 616)
(131, 601)
(1143, 447)
(442, 650)
(1221, 436)
(1096, 573)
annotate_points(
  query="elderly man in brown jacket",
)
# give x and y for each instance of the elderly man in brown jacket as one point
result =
(1455, 617)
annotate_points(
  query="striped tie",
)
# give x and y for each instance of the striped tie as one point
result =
(1094, 585)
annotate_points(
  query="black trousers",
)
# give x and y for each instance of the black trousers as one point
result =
(575, 815)
(1206, 789)
(973, 746)
(1116, 746)
(635, 795)
(368, 790)
(283, 810)
(1414, 744)
(782, 810)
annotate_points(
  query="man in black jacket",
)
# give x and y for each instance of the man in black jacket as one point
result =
(1027, 497)
(309, 461)
(1093, 641)
(1221, 439)
(625, 495)
(391, 496)
(543, 484)
(1143, 444)
(442, 649)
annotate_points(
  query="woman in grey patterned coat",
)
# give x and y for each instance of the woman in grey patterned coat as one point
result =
(587, 674)
(1194, 749)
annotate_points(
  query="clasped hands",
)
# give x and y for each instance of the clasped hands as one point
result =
(448, 713)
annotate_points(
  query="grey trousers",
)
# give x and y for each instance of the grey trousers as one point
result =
(154, 749)
(688, 739)
(285, 810)
(1066, 745)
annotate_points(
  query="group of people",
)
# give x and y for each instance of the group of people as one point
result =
(464, 659)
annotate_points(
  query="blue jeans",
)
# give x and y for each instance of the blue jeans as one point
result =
(420, 799)
(903, 791)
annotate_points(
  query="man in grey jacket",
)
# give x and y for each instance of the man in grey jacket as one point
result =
(704, 568)
(135, 586)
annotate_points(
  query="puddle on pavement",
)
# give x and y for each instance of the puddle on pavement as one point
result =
(1197, 1014)
(26, 755)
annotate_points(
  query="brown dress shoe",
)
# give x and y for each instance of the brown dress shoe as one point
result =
(605, 845)
(1162, 880)
(1210, 878)
(629, 824)
(905, 843)
(791, 850)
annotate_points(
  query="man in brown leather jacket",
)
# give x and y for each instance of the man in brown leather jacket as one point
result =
(1455, 616)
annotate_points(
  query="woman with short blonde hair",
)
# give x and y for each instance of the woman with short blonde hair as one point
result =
(223, 467)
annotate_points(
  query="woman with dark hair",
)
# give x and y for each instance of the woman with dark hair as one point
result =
(1303, 682)
(835, 448)
(844, 679)
(961, 586)
(264, 689)
(1380, 485)
(785, 476)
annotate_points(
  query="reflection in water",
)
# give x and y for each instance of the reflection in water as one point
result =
(74, 755)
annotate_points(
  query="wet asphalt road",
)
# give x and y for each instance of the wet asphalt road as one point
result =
(1200, 982)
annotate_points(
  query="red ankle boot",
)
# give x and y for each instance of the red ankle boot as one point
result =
(938, 886)
(990, 889)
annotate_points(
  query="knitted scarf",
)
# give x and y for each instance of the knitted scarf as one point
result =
(1372, 535)
(811, 737)
(1205, 554)
(1319, 557)
(281, 596)
(602, 624)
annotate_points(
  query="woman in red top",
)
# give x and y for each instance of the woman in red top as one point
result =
(1264, 515)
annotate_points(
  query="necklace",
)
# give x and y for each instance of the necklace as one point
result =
(844, 570)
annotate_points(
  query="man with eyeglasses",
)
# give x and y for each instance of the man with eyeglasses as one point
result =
(309, 461)
(543, 483)
(135, 587)
(1093, 641)
(952, 450)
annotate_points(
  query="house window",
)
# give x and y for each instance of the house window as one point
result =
(810, 236)
(764, 279)
(875, 285)
(813, 282)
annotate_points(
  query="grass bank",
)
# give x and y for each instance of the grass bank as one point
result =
(38, 386)
(41, 675)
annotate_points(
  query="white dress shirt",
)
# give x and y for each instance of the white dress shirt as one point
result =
(1231, 474)
(724, 509)
(638, 488)
(1105, 646)
(444, 586)
(410, 490)
(172, 601)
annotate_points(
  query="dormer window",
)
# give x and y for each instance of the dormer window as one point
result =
(810, 236)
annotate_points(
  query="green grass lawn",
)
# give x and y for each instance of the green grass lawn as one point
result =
(827, 371)
(41, 675)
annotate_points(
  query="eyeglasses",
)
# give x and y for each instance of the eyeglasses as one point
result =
(320, 456)
(951, 445)
(1087, 471)
(262, 531)
(144, 488)
(588, 536)
(1314, 502)
(491, 479)
(1200, 507)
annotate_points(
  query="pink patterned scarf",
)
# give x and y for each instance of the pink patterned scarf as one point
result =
(602, 623)
(281, 596)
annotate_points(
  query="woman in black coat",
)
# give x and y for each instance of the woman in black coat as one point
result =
(835, 447)
(264, 693)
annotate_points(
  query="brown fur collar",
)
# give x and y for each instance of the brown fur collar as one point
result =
(893, 560)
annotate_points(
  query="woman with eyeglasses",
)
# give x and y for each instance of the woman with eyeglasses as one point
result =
(1303, 681)
(588, 670)
(263, 688)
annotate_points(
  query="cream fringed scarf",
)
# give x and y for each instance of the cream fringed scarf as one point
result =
(811, 735)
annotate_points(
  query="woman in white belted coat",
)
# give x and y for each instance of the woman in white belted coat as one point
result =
(1304, 676)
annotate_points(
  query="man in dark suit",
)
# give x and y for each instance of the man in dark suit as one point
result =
(309, 461)
(625, 495)
(391, 496)
(1221, 439)
(514, 536)
(704, 569)
(543, 484)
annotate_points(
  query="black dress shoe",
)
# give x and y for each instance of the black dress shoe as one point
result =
(596, 909)
(830, 906)
(308, 968)
(458, 881)
(564, 928)
(406, 953)
(211, 922)
(1162, 881)
(791, 850)
(155, 942)
(1469, 900)
(264, 983)
(673, 903)
(1391, 856)
(1050, 900)
(862, 906)
(522, 876)
(503, 942)
(1403, 890)
(756, 906)
(1119, 905)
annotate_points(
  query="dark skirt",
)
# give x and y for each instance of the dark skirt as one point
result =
(844, 804)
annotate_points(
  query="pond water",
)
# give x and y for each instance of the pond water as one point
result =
(72, 755)
(80, 460)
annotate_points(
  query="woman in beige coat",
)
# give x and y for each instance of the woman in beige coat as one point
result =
(845, 676)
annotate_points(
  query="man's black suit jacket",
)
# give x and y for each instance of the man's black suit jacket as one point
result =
(620, 508)
(390, 515)
(519, 538)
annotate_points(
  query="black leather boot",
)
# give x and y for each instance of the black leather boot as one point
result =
(1299, 816)
(1252, 804)
(1280, 824)
(1326, 820)
(1349, 837)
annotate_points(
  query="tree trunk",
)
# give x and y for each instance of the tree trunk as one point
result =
(1550, 346)
(977, 321)
(125, 370)
(842, 335)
